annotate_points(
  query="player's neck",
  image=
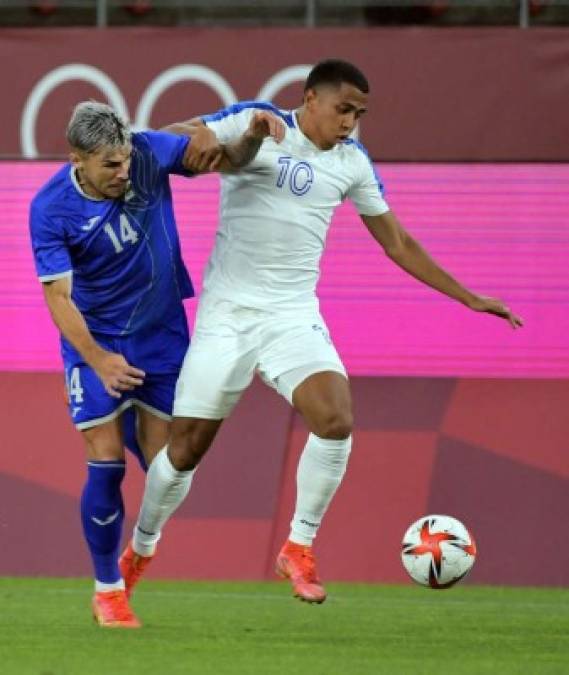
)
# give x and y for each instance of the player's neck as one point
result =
(310, 130)
(86, 187)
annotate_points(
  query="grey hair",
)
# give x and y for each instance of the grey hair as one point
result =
(93, 125)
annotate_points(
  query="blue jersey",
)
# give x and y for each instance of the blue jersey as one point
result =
(124, 254)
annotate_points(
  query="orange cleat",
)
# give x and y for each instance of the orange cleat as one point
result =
(296, 562)
(111, 610)
(132, 567)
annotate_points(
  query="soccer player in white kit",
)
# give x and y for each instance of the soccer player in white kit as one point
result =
(259, 311)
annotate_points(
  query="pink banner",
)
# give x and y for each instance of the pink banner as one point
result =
(500, 229)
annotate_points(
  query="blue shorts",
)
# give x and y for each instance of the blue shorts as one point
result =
(158, 350)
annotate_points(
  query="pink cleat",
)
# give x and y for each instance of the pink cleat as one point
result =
(111, 610)
(132, 567)
(296, 562)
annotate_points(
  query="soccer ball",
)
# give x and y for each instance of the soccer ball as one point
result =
(438, 551)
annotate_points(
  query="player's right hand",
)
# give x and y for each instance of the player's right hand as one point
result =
(204, 151)
(265, 123)
(117, 374)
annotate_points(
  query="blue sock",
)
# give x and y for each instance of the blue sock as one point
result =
(102, 514)
(129, 433)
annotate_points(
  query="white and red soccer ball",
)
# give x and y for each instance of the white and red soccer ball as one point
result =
(438, 551)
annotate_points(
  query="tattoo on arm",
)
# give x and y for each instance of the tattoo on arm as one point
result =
(243, 150)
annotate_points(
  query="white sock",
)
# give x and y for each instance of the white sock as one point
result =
(102, 587)
(166, 488)
(320, 471)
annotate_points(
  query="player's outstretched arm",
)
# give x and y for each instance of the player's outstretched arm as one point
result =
(114, 371)
(406, 252)
(204, 152)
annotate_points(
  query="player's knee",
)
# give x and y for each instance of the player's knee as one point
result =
(188, 444)
(184, 450)
(336, 425)
(103, 449)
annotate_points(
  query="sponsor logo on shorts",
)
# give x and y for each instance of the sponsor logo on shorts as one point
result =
(316, 327)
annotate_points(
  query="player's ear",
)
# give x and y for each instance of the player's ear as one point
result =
(75, 159)
(309, 98)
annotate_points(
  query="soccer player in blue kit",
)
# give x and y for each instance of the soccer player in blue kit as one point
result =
(107, 253)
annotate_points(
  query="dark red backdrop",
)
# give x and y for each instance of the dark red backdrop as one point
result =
(491, 452)
(437, 94)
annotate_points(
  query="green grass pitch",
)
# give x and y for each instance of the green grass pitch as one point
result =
(259, 629)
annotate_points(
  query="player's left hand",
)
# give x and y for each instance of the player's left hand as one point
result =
(482, 303)
(264, 124)
(204, 151)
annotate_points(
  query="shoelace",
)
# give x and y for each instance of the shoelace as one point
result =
(137, 565)
(140, 562)
(308, 566)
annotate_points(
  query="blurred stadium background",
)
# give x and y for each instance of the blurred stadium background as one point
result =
(455, 413)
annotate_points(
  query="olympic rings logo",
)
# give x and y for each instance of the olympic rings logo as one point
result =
(156, 88)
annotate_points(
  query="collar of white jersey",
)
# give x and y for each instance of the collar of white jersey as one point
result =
(304, 138)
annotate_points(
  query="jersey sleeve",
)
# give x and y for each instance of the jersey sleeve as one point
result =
(230, 123)
(169, 149)
(51, 254)
(367, 191)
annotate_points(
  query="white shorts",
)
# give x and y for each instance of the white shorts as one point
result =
(231, 343)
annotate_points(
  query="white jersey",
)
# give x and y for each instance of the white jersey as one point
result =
(275, 212)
